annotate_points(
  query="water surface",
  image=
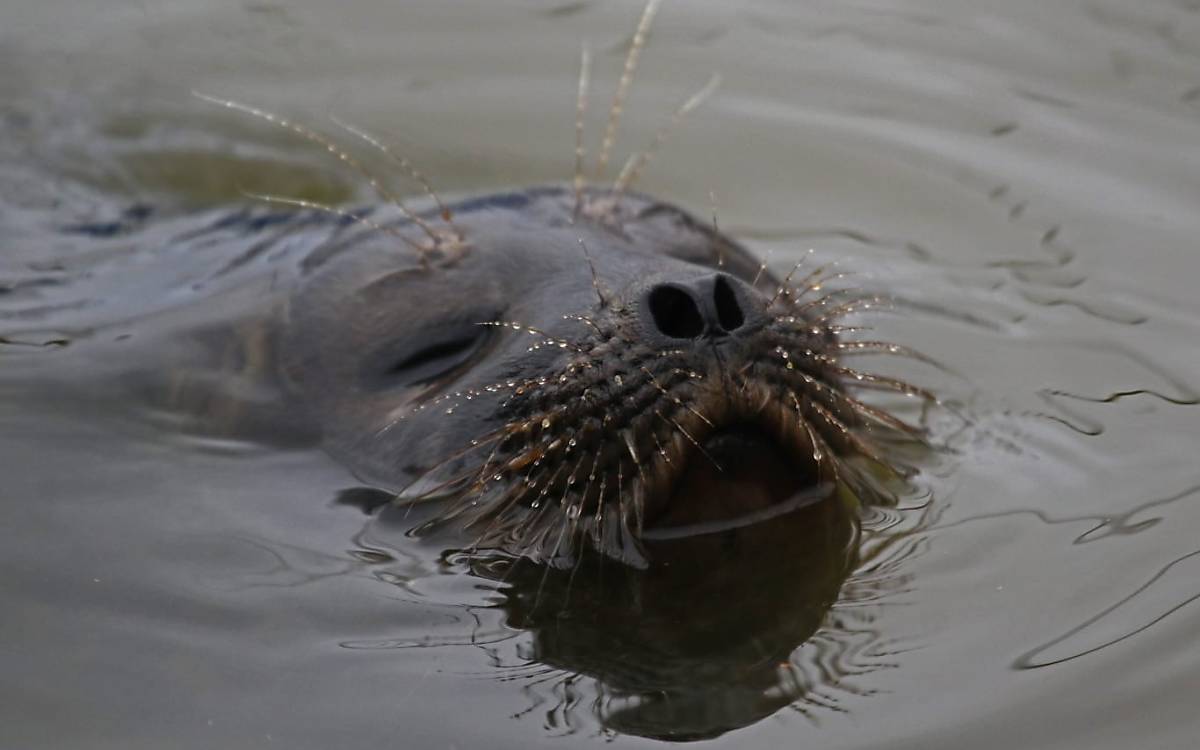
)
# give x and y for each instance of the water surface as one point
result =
(1022, 178)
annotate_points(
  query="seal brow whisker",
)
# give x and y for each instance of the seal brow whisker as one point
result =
(637, 162)
(581, 103)
(335, 211)
(618, 104)
(405, 165)
(596, 286)
(340, 153)
(712, 199)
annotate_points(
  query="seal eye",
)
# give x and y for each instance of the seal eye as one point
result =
(439, 358)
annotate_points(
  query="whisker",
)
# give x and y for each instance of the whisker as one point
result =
(405, 165)
(494, 439)
(578, 561)
(598, 525)
(637, 162)
(881, 382)
(516, 326)
(675, 399)
(863, 447)
(859, 407)
(810, 284)
(818, 445)
(334, 211)
(712, 199)
(587, 322)
(853, 306)
(690, 439)
(762, 268)
(661, 450)
(833, 295)
(341, 154)
(623, 506)
(497, 511)
(783, 285)
(581, 103)
(618, 104)
(604, 301)
(848, 348)
(468, 394)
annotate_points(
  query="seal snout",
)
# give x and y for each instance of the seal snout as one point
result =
(710, 307)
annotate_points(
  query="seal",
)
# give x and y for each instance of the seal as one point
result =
(661, 380)
(571, 367)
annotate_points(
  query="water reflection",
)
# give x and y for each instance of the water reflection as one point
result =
(700, 643)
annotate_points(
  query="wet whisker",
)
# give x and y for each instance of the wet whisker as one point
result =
(882, 382)
(335, 211)
(581, 103)
(712, 199)
(596, 285)
(618, 104)
(695, 443)
(337, 151)
(672, 397)
(637, 162)
(762, 268)
(783, 285)
(408, 169)
(548, 338)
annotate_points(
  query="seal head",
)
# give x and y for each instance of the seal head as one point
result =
(563, 373)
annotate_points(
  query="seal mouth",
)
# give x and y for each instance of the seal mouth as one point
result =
(739, 475)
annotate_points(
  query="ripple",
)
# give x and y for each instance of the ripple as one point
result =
(1168, 591)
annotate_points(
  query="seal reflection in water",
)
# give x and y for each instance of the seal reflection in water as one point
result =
(580, 373)
(699, 643)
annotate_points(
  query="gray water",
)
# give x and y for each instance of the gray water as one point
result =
(1022, 178)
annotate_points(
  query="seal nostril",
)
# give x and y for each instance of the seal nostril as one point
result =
(675, 313)
(729, 311)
